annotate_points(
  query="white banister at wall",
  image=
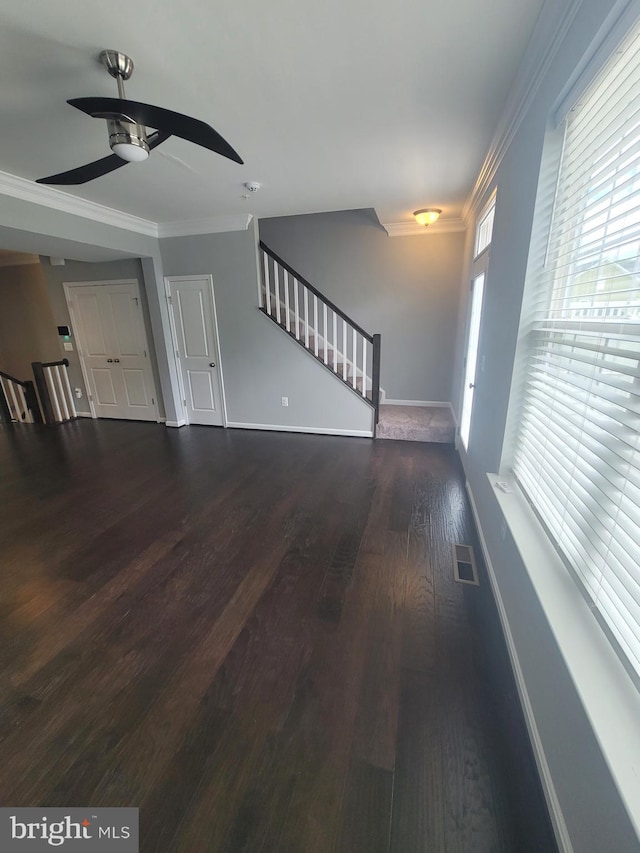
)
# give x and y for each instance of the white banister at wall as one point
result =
(54, 389)
(60, 393)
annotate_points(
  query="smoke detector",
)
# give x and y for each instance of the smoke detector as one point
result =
(252, 186)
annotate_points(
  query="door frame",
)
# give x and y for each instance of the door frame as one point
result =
(479, 266)
(68, 292)
(174, 340)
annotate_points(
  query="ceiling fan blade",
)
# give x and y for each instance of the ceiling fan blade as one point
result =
(176, 124)
(84, 174)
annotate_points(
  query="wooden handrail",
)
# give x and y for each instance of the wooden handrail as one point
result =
(62, 363)
(13, 378)
(315, 291)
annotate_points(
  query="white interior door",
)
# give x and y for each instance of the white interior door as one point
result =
(194, 324)
(473, 339)
(113, 348)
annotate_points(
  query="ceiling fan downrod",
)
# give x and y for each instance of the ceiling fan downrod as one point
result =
(127, 138)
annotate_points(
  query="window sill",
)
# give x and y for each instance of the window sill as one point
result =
(609, 696)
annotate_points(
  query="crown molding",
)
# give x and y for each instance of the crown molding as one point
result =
(549, 33)
(25, 190)
(412, 229)
(17, 259)
(209, 225)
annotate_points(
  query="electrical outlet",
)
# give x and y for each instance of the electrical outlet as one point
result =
(78, 393)
(285, 401)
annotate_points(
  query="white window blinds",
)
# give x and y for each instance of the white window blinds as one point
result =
(577, 454)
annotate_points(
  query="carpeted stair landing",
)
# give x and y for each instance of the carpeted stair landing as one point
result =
(416, 423)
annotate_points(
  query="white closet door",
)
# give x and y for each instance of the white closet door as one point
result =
(197, 348)
(112, 341)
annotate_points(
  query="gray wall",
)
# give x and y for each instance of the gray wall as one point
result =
(260, 363)
(406, 288)
(27, 328)
(595, 816)
(56, 276)
(29, 227)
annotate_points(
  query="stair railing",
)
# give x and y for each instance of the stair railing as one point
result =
(54, 390)
(18, 400)
(322, 328)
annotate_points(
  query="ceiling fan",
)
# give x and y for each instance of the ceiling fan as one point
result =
(127, 123)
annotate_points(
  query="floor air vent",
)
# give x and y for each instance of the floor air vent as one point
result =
(464, 565)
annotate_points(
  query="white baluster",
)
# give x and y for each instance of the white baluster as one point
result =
(16, 404)
(276, 279)
(344, 350)
(364, 367)
(355, 357)
(261, 284)
(52, 394)
(267, 284)
(316, 328)
(23, 404)
(287, 319)
(326, 338)
(335, 339)
(306, 317)
(296, 308)
(72, 404)
(62, 397)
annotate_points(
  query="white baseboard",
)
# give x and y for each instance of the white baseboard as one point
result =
(175, 423)
(553, 804)
(313, 430)
(84, 414)
(435, 404)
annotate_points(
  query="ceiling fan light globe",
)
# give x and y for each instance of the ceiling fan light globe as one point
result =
(130, 152)
(128, 140)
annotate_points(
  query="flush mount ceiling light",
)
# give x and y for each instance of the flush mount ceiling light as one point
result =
(427, 216)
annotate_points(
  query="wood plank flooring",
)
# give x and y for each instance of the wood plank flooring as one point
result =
(257, 639)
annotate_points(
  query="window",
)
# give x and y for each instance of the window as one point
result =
(484, 229)
(577, 452)
(484, 233)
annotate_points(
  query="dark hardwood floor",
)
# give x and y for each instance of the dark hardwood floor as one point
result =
(257, 639)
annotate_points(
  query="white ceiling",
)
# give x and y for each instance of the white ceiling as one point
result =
(333, 105)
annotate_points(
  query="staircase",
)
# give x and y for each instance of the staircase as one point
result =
(343, 347)
(53, 403)
(18, 401)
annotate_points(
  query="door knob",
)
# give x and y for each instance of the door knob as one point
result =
(212, 364)
(471, 384)
(110, 360)
(117, 360)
